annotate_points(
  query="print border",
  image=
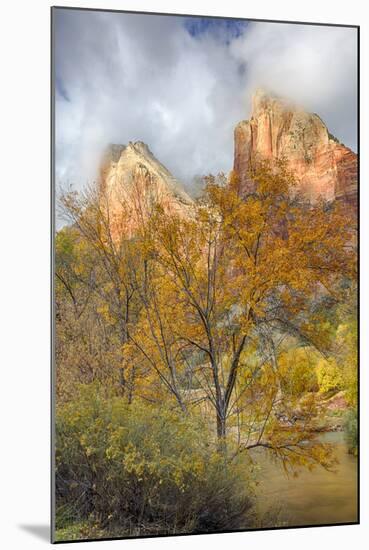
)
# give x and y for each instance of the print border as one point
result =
(53, 10)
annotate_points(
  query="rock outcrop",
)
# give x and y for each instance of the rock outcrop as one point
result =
(133, 182)
(277, 129)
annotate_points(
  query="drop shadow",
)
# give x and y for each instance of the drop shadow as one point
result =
(40, 531)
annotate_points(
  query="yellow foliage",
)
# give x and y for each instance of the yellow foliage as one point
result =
(329, 375)
(297, 370)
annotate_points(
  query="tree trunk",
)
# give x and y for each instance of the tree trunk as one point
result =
(221, 427)
(122, 381)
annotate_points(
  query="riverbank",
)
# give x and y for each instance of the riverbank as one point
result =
(335, 409)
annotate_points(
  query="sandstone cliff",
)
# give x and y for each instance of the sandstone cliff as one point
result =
(278, 129)
(133, 182)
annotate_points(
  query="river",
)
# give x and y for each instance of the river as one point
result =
(313, 498)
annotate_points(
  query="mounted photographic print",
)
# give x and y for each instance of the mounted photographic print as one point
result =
(205, 216)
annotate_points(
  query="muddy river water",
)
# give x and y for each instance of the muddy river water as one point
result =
(313, 498)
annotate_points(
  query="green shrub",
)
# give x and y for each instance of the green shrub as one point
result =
(139, 469)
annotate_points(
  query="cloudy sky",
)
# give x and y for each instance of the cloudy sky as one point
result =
(181, 84)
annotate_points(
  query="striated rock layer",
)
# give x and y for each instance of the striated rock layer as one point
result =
(133, 182)
(323, 167)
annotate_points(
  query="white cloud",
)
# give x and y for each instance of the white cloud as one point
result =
(313, 65)
(132, 77)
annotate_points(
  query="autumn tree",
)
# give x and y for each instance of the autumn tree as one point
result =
(95, 261)
(238, 277)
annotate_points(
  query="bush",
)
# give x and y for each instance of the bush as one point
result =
(297, 371)
(329, 376)
(139, 469)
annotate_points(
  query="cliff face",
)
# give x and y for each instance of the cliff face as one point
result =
(133, 182)
(322, 166)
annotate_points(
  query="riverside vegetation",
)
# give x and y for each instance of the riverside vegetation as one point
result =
(186, 347)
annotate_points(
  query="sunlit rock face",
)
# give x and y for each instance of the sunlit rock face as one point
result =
(133, 184)
(277, 129)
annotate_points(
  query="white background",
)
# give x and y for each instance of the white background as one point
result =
(24, 272)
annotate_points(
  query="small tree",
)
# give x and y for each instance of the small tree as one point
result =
(103, 267)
